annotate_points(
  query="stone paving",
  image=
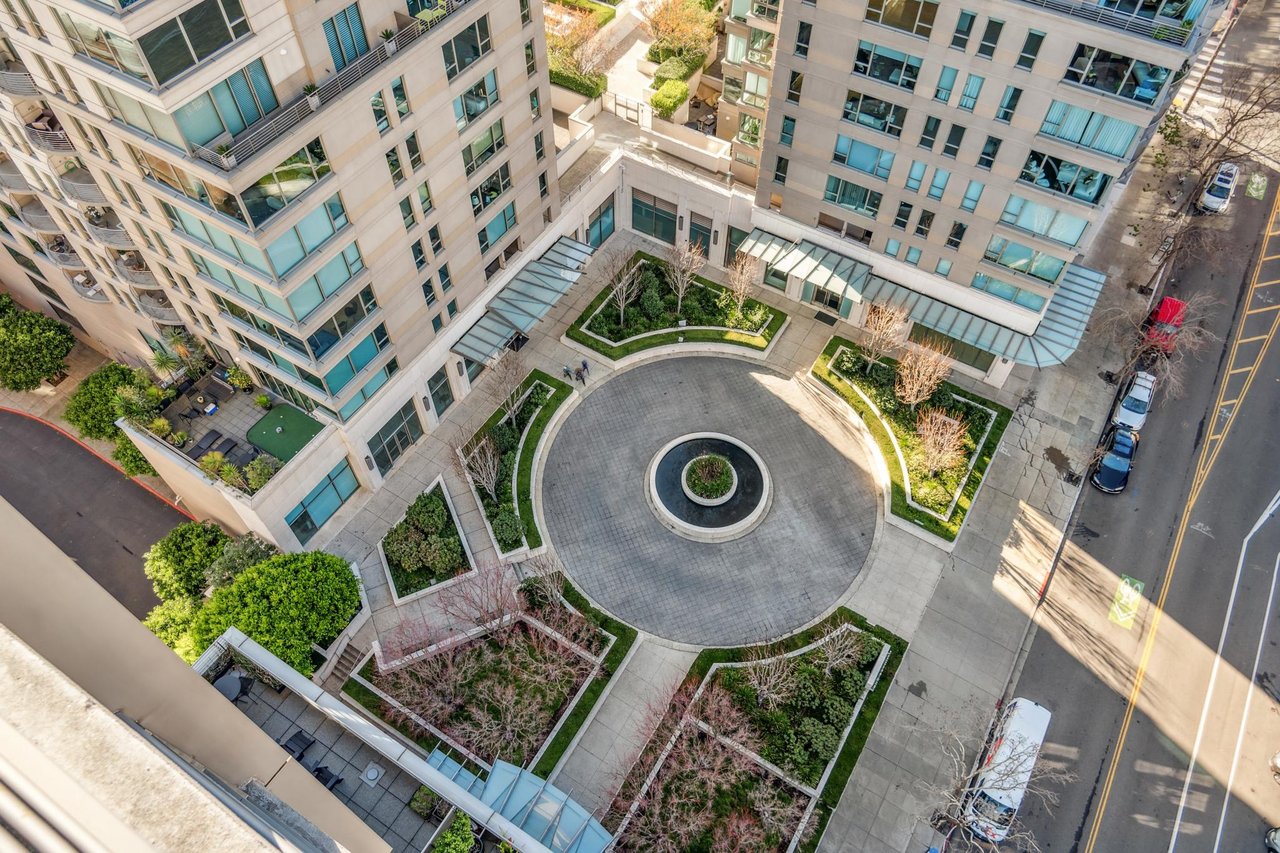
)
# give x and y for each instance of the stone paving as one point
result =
(782, 575)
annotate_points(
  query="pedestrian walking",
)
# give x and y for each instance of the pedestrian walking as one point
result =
(586, 368)
(578, 375)
(567, 371)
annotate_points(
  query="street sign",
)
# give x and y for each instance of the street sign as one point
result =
(1124, 604)
(1257, 187)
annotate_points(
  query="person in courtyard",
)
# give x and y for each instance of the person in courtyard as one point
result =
(567, 371)
(578, 375)
(586, 368)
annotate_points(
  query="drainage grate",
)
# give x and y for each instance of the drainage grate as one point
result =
(823, 317)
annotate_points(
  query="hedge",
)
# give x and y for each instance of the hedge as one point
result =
(564, 75)
(603, 14)
(668, 99)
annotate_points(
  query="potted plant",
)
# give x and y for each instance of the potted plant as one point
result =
(160, 427)
(239, 378)
(263, 401)
(312, 91)
(225, 152)
(388, 42)
(179, 438)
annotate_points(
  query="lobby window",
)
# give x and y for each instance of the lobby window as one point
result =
(964, 29)
(466, 47)
(1030, 49)
(322, 502)
(700, 230)
(395, 437)
(990, 37)
(345, 34)
(653, 216)
(600, 225)
(440, 393)
(910, 16)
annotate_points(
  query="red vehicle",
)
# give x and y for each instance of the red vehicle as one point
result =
(1164, 324)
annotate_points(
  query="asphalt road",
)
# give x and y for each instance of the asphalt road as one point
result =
(95, 514)
(1206, 472)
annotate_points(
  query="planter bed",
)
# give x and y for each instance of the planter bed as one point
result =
(938, 504)
(442, 549)
(541, 395)
(707, 319)
(794, 752)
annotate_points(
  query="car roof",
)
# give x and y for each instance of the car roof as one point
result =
(1228, 169)
(1169, 310)
(1142, 379)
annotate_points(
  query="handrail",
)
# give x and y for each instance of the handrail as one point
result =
(13, 179)
(66, 259)
(254, 139)
(153, 308)
(81, 190)
(1173, 33)
(107, 234)
(49, 140)
(143, 277)
(18, 83)
(38, 219)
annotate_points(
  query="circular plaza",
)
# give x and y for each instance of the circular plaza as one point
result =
(779, 551)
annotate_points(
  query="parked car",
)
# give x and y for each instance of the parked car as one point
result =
(1160, 333)
(1111, 471)
(1272, 839)
(1217, 193)
(1131, 412)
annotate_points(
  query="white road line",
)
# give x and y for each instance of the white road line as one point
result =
(1244, 720)
(1217, 663)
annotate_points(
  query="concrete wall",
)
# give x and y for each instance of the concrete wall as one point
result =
(72, 622)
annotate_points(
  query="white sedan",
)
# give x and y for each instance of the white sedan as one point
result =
(1217, 193)
(1136, 403)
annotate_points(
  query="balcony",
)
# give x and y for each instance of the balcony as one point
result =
(107, 228)
(1177, 33)
(134, 269)
(86, 288)
(80, 185)
(15, 80)
(11, 178)
(264, 133)
(60, 252)
(45, 132)
(158, 307)
(34, 214)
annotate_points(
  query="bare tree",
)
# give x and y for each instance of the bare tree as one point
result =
(1162, 355)
(507, 378)
(842, 647)
(883, 331)
(684, 260)
(623, 284)
(772, 677)
(778, 814)
(578, 43)
(921, 371)
(480, 463)
(941, 439)
(1247, 120)
(506, 723)
(742, 279)
(484, 599)
(949, 794)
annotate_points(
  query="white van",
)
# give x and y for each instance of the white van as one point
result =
(1001, 780)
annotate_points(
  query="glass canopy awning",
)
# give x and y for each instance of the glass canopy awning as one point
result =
(525, 300)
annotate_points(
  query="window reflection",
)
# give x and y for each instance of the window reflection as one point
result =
(276, 189)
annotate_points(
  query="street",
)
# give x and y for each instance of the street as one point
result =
(1169, 712)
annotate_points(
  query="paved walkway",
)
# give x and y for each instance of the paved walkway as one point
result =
(593, 769)
(781, 576)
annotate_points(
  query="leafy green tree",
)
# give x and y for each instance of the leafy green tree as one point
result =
(131, 458)
(176, 564)
(171, 620)
(285, 603)
(33, 347)
(237, 555)
(457, 838)
(91, 408)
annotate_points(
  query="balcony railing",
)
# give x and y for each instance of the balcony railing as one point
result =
(66, 258)
(56, 141)
(158, 309)
(112, 236)
(1173, 32)
(11, 178)
(79, 184)
(37, 217)
(87, 288)
(259, 136)
(136, 275)
(18, 83)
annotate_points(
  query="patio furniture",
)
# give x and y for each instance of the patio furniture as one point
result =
(298, 744)
(227, 445)
(234, 686)
(242, 456)
(204, 444)
(326, 777)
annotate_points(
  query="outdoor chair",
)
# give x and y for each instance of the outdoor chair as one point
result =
(202, 446)
(246, 684)
(298, 744)
(227, 445)
(326, 777)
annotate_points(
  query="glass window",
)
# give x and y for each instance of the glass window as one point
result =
(497, 227)
(787, 135)
(600, 225)
(924, 223)
(794, 85)
(780, 166)
(538, 150)
(439, 391)
(972, 194)
(400, 97)
(407, 214)
(1064, 177)
(853, 197)
(964, 29)
(474, 102)
(395, 437)
(1008, 104)
(535, 105)
(887, 65)
(1008, 292)
(863, 157)
(892, 247)
(367, 390)
(804, 32)
(424, 197)
(175, 46)
(943, 267)
(530, 58)
(89, 39)
(990, 37)
(344, 33)
(437, 245)
(929, 133)
(483, 147)
(910, 16)
(525, 15)
(872, 112)
(960, 351)
(938, 185)
(419, 254)
(972, 90)
(946, 84)
(990, 149)
(653, 216)
(749, 128)
(916, 176)
(466, 47)
(1044, 221)
(394, 167)
(415, 152)
(1116, 74)
(1024, 259)
(913, 256)
(490, 189)
(282, 185)
(956, 237)
(955, 136)
(322, 502)
(903, 216)
(380, 117)
(231, 106)
(1097, 131)
(1030, 49)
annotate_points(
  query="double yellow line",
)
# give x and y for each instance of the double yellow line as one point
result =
(1204, 465)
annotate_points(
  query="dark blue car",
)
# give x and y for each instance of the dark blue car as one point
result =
(1119, 446)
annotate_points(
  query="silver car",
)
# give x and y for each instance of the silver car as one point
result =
(1217, 193)
(1132, 410)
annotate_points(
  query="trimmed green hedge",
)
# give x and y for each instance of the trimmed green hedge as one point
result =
(677, 67)
(669, 97)
(564, 75)
(950, 528)
(626, 637)
(603, 14)
(577, 331)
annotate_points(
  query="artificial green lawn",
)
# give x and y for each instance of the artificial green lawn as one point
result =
(615, 351)
(296, 429)
(950, 528)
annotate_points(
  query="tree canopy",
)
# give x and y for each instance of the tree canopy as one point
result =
(177, 563)
(91, 408)
(33, 347)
